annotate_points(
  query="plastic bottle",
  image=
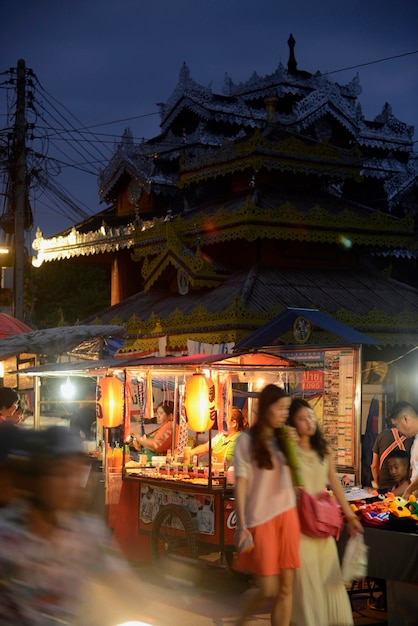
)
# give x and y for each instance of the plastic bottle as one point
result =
(109, 458)
(117, 457)
(168, 461)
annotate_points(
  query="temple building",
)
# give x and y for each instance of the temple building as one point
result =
(276, 193)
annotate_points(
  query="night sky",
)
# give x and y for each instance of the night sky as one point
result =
(100, 62)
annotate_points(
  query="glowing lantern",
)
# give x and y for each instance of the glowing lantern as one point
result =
(110, 401)
(200, 402)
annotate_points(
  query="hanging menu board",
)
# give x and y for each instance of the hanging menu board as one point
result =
(328, 383)
(338, 407)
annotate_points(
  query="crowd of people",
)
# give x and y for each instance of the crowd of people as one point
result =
(300, 574)
(51, 549)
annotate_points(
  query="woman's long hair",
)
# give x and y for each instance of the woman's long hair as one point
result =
(318, 441)
(260, 450)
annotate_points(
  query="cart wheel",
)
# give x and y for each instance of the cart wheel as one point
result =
(173, 534)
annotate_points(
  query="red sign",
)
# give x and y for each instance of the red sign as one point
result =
(230, 522)
(312, 380)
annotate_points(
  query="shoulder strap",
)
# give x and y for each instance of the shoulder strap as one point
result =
(397, 443)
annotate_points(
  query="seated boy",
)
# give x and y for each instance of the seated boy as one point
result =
(398, 465)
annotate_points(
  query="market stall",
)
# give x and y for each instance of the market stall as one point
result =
(177, 504)
(391, 534)
(183, 505)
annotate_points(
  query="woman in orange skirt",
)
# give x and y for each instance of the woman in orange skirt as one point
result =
(268, 531)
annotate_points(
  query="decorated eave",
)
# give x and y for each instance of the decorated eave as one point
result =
(386, 131)
(402, 184)
(135, 169)
(141, 162)
(272, 217)
(291, 154)
(298, 218)
(192, 267)
(76, 244)
(186, 87)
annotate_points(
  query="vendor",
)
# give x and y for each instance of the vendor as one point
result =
(223, 444)
(160, 440)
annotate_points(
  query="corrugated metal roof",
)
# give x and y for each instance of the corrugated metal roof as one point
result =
(262, 289)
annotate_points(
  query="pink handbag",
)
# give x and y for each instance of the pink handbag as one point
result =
(319, 516)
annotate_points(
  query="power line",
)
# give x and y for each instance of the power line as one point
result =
(296, 81)
(97, 139)
(353, 67)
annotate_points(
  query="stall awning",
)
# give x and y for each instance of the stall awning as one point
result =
(280, 324)
(252, 360)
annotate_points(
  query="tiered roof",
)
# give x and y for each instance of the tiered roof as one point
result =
(279, 161)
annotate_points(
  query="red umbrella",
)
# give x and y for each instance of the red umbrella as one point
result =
(11, 326)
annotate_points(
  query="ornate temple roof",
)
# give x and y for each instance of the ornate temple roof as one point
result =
(291, 121)
(279, 165)
(305, 104)
(384, 309)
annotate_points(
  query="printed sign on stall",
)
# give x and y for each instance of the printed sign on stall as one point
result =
(200, 506)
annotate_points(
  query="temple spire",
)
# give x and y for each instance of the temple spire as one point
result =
(291, 64)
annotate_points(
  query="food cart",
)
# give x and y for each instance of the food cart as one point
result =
(178, 506)
(188, 508)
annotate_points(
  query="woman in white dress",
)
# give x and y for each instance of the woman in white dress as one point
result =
(319, 596)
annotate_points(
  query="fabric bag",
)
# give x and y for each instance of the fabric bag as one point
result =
(355, 559)
(319, 516)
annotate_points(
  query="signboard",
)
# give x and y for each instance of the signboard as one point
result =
(201, 506)
(328, 384)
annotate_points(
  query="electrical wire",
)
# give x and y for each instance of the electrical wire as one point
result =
(398, 358)
(68, 111)
(83, 146)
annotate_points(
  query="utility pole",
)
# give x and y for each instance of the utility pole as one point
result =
(19, 165)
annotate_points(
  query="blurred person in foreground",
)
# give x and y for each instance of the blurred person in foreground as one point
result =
(268, 530)
(12, 440)
(56, 564)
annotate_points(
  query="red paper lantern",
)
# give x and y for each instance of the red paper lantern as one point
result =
(110, 401)
(200, 402)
